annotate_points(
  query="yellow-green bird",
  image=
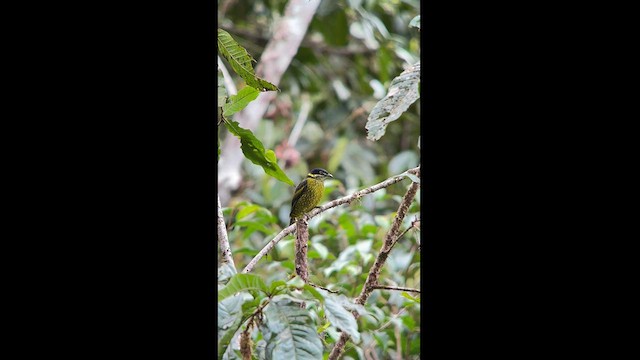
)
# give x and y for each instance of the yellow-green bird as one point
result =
(308, 193)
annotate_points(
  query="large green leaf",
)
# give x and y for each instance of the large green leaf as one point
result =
(402, 93)
(240, 61)
(253, 150)
(242, 282)
(290, 332)
(341, 318)
(229, 321)
(239, 101)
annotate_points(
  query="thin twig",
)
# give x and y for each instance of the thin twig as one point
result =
(227, 256)
(343, 200)
(323, 288)
(372, 279)
(398, 288)
(286, 231)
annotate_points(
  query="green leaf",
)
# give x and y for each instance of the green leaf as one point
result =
(315, 293)
(296, 282)
(247, 210)
(242, 282)
(240, 100)
(402, 161)
(290, 332)
(240, 61)
(413, 177)
(407, 296)
(321, 249)
(225, 272)
(229, 321)
(275, 285)
(341, 318)
(253, 150)
(252, 225)
(324, 327)
(402, 93)
(415, 22)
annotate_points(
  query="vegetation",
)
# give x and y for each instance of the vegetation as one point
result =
(345, 101)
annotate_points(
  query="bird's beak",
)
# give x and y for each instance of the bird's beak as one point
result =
(329, 175)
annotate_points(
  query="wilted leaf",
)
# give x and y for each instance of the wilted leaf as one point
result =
(240, 61)
(290, 332)
(253, 150)
(402, 93)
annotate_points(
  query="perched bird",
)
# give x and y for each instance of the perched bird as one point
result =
(308, 193)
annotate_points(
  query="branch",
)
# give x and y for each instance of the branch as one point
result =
(372, 280)
(227, 257)
(398, 288)
(343, 200)
(286, 231)
(302, 239)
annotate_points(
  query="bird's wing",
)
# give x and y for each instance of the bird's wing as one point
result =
(299, 190)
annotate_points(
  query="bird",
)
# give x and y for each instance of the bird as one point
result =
(308, 193)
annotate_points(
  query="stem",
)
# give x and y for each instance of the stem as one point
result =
(227, 256)
(397, 288)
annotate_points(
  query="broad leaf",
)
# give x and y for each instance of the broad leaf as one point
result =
(341, 318)
(240, 61)
(290, 333)
(242, 282)
(229, 321)
(253, 150)
(239, 101)
(402, 93)
(315, 293)
(225, 272)
(415, 22)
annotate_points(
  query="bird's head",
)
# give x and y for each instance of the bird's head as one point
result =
(319, 174)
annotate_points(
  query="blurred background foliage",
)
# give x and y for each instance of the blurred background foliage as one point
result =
(351, 53)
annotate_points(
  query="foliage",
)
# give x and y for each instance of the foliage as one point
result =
(240, 61)
(354, 53)
(252, 148)
(402, 93)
